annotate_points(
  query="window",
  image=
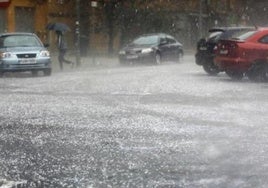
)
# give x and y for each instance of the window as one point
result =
(2, 20)
(146, 40)
(264, 39)
(24, 19)
(171, 40)
(246, 35)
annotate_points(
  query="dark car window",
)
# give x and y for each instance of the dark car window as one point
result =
(227, 34)
(171, 40)
(214, 36)
(246, 35)
(236, 33)
(146, 40)
(264, 39)
(163, 40)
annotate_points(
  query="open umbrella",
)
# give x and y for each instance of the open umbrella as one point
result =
(62, 27)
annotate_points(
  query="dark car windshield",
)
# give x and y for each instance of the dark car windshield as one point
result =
(228, 34)
(214, 36)
(19, 41)
(146, 40)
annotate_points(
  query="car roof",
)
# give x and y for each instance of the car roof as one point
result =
(262, 28)
(156, 34)
(223, 29)
(16, 33)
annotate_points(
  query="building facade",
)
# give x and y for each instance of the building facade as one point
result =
(105, 25)
(24, 16)
(34, 15)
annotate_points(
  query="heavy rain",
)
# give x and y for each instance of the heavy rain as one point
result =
(117, 108)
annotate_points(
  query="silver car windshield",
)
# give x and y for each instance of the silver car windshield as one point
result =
(146, 40)
(19, 41)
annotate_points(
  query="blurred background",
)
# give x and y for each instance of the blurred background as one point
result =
(103, 26)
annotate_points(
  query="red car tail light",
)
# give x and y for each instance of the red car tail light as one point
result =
(228, 48)
(233, 50)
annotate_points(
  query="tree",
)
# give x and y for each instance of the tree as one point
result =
(110, 13)
(85, 29)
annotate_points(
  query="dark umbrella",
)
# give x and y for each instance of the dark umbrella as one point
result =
(62, 27)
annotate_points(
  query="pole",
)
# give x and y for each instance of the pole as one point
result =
(200, 19)
(77, 33)
(94, 4)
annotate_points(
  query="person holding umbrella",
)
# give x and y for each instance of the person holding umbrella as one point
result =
(62, 47)
(60, 29)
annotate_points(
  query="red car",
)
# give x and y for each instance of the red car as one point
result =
(244, 55)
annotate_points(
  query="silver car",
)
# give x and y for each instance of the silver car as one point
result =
(23, 52)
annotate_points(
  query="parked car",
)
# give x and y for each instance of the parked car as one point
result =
(23, 52)
(205, 47)
(244, 55)
(154, 48)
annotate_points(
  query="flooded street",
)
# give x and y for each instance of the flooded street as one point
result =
(169, 125)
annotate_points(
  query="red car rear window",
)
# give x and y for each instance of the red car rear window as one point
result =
(246, 35)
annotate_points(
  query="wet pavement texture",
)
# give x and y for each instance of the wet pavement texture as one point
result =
(169, 125)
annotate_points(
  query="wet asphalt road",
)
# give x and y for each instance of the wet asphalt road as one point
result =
(134, 126)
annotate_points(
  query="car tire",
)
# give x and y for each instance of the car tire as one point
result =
(47, 72)
(258, 72)
(157, 58)
(34, 73)
(123, 63)
(235, 75)
(180, 56)
(211, 68)
(198, 59)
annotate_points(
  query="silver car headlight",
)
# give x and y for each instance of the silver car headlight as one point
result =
(6, 55)
(44, 53)
(146, 50)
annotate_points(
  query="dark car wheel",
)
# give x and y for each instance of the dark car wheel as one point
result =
(235, 75)
(179, 57)
(123, 63)
(211, 68)
(198, 59)
(157, 58)
(258, 72)
(47, 72)
(34, 72)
